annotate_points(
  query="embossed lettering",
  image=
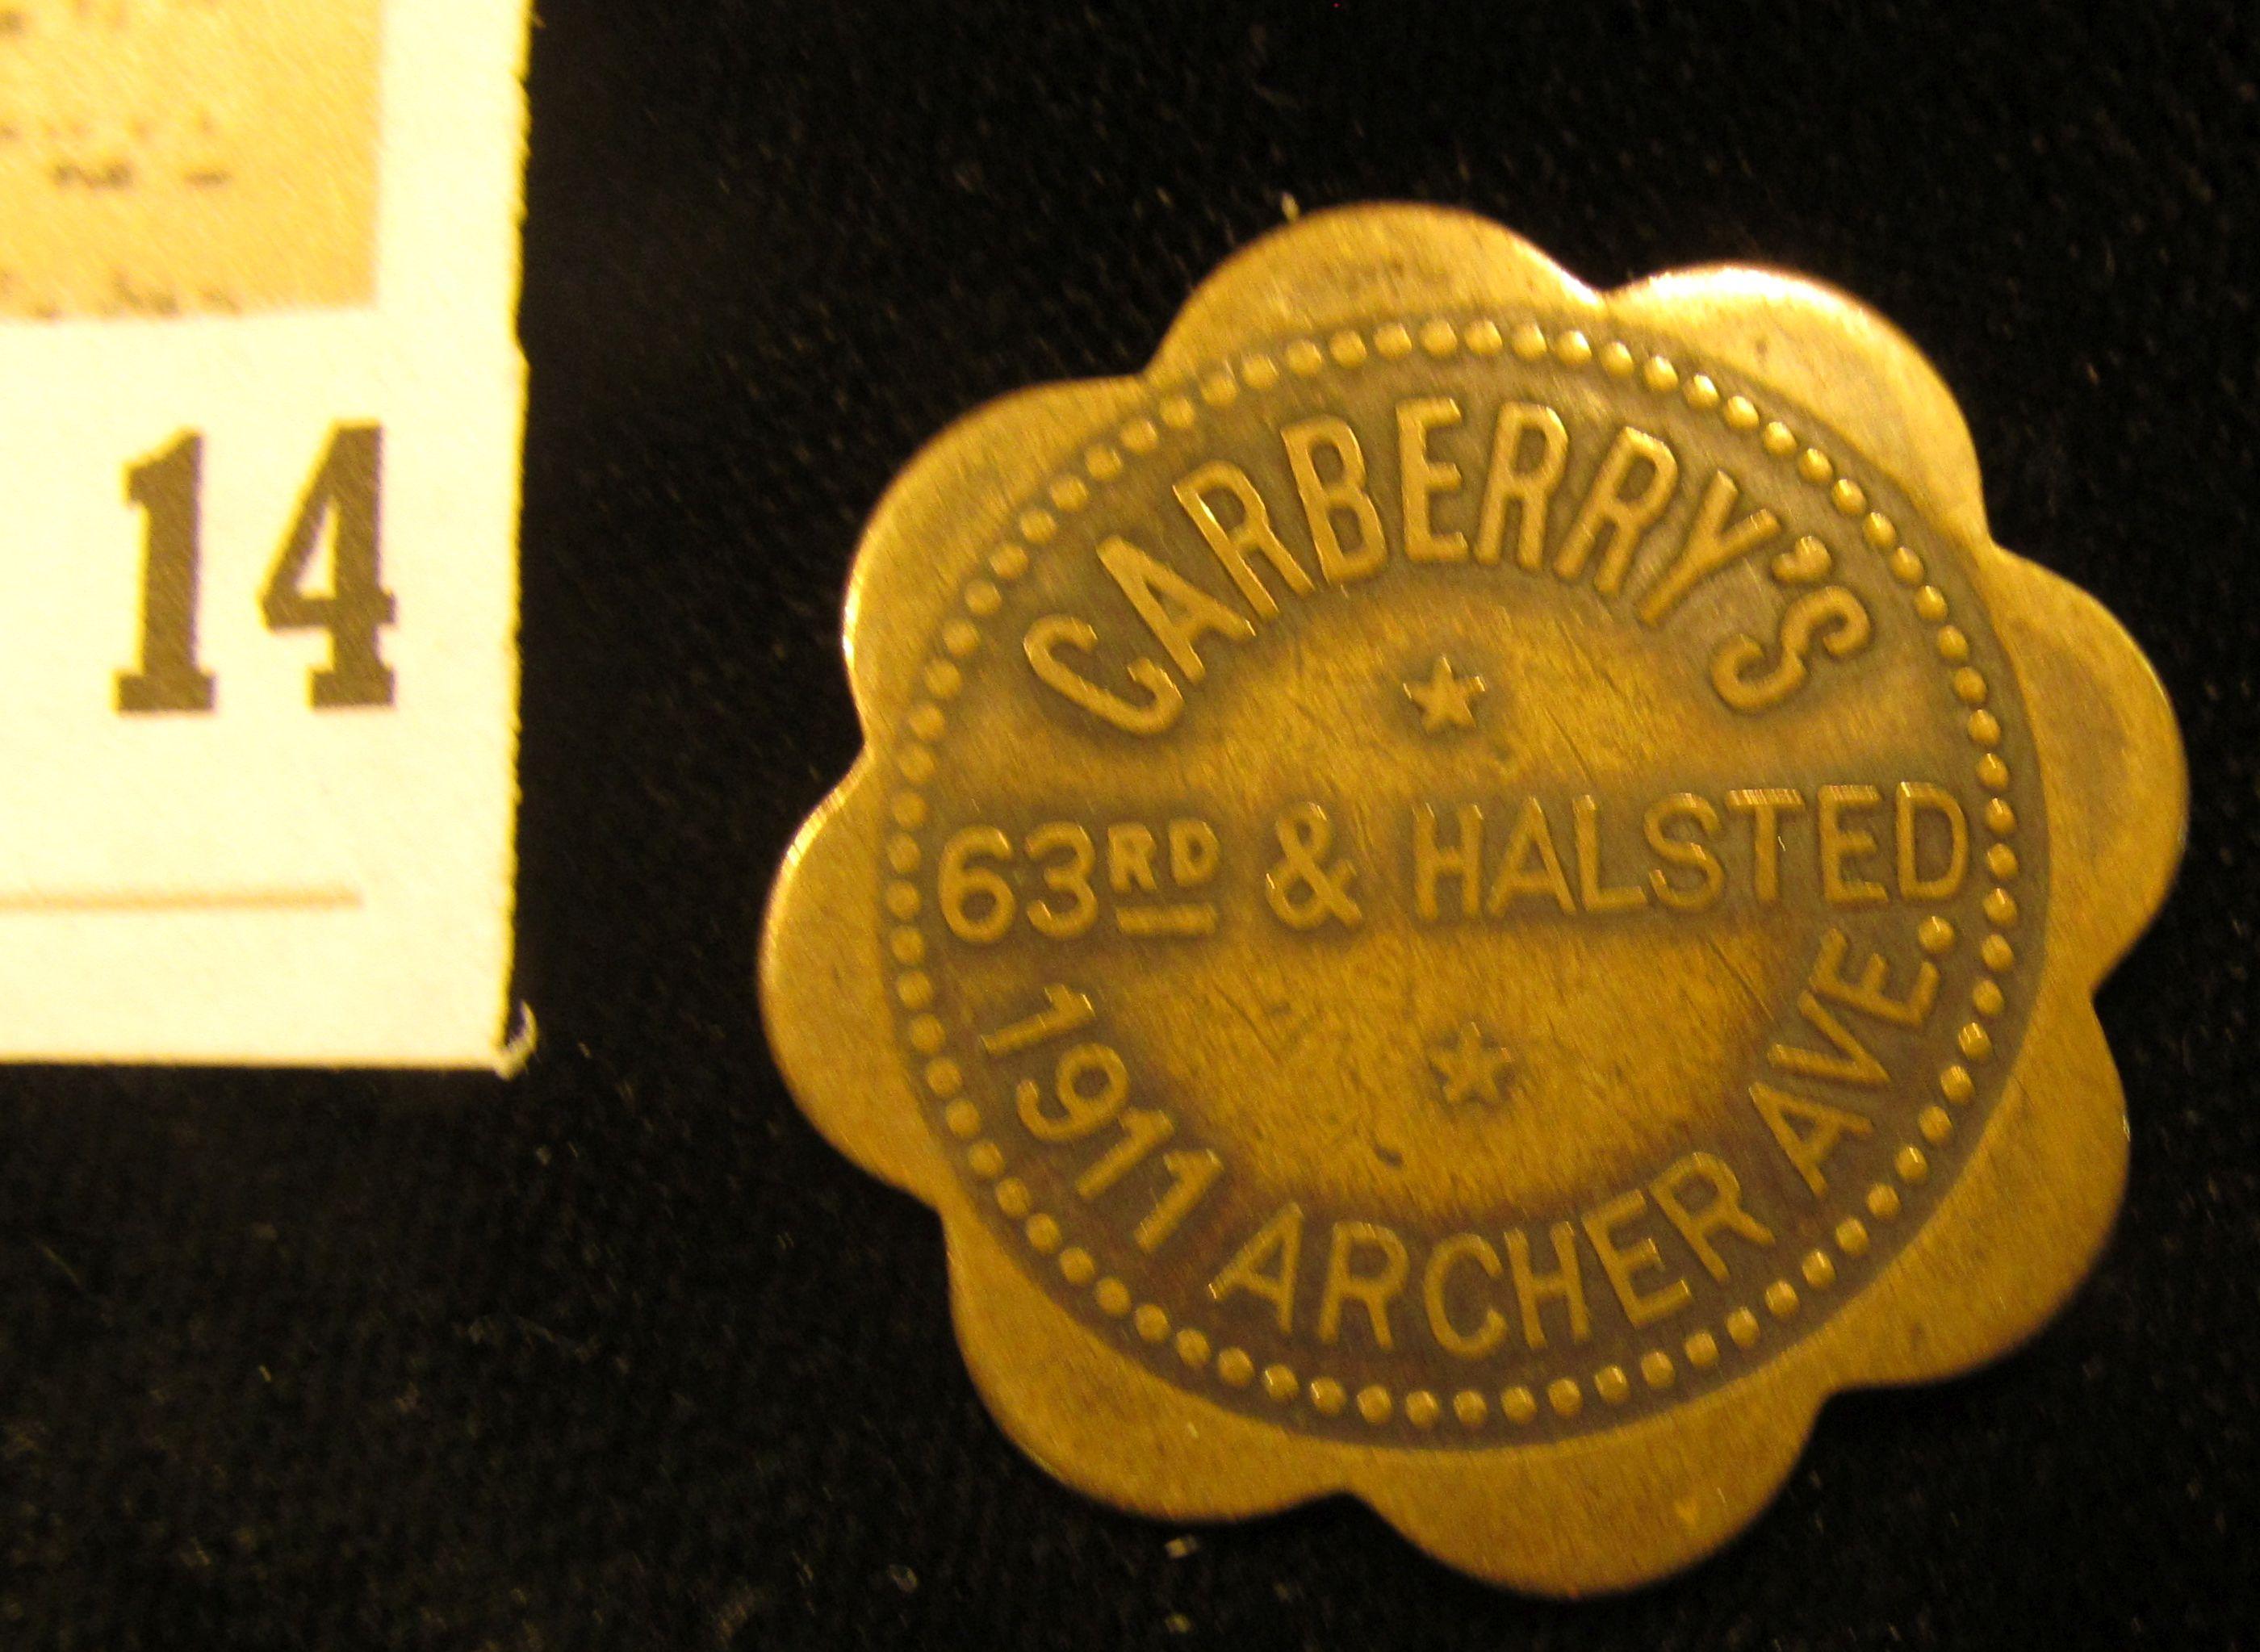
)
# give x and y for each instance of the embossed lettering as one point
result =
(1866, 995)
(1711, 878)
(1178, 612)
(976, 903)
(1456, 872)
(1766, 805)
(1852, 1063)
(1807, 1131)
(1630, 490)
(1914, 799)
(1533, 1290)
(1131, 868)
(1192, 1173)
(1840, 843)
(1164, 700)
(1432, 862)
(1517, 875)
(1130, 859)
(1721, 1212)
(1424, 478)
(1198, 490)
(1069, 873)
(1371, 1288)
(1594, 895)
(1064, 1011)
(1344, 494)
(1194, 852)
(1265, 1267)
(1089, 1087)
(1143, 1129)
(1435, 1289)
(1623, 1263)
(1710, 546)
(1303, 888)
(1832, 619)
(1528, 488)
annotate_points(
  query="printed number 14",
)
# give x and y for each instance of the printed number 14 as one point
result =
(342, 496)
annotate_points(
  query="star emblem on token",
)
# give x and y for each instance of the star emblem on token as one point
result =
(1447, 700)
(1825, 818)
(1469, 1066)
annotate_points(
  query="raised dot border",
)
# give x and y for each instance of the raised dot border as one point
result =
(1346, 349)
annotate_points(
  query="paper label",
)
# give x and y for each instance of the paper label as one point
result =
(258, 575)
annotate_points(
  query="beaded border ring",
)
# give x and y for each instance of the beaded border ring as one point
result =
(1617, 1505)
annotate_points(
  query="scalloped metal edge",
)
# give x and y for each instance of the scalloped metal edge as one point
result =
(1616, 1509)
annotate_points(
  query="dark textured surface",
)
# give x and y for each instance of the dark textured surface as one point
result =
(621, 1355)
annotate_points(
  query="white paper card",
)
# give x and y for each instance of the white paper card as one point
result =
(258, 560)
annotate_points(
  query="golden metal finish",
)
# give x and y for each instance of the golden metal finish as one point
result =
(1477, 893)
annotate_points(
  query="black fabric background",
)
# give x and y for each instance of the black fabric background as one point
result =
(620, 1354)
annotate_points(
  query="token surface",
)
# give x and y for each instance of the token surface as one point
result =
(1476, 892)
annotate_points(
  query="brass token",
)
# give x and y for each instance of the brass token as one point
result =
(1477, 893)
